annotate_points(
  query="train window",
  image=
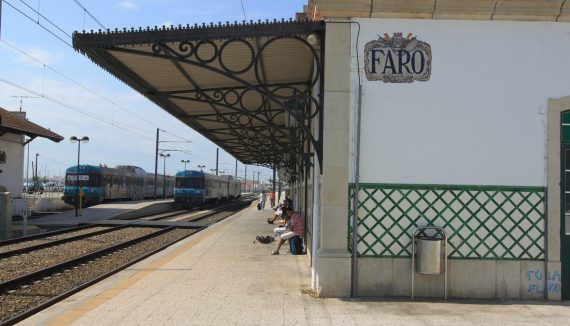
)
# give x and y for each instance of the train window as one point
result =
(190, 182)
(85, 180)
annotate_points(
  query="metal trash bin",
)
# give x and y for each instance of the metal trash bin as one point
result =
(429, 255)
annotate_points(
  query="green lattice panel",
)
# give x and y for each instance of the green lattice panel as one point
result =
(482, 222)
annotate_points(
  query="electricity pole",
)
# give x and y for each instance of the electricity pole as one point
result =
(156, 162)
(217, 156)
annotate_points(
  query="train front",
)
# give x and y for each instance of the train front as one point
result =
(189, 188)
(89, 185)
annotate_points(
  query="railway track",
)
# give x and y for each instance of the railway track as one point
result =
(23, 296)
(27, 290)
(193, 215)
(22, 246)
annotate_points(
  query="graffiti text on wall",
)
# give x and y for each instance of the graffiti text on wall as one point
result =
(537, 279)
(397, 59)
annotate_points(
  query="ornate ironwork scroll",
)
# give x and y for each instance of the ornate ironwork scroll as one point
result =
(259, 121)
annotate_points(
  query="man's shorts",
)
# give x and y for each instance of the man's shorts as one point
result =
(288, 235)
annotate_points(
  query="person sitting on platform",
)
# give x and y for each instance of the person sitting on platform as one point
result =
(281, 207)
(283, 225)
(296, 229)
(278, 214)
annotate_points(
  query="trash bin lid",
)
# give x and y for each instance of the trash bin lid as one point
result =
(437, 237)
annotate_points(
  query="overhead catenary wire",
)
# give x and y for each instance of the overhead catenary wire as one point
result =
(76, 82)
(69, 106)
(45, 66)
(55, 161)
(45, 18)
(39, 24)
(88, 89)
(89, 13)
(243, 10)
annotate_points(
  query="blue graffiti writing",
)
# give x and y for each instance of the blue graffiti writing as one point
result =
(536, 276)
(554, 287)
(535, 288)
(554, 276)
(536, 272)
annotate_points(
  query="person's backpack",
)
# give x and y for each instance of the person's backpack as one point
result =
(296, 245)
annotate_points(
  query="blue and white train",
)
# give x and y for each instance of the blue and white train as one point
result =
(125, 182)
(196, 188)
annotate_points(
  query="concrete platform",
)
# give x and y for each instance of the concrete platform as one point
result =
(102, 212)
(219, 277)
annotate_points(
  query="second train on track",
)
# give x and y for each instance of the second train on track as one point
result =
(196, 188)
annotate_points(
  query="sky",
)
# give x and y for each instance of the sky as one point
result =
(62, 90)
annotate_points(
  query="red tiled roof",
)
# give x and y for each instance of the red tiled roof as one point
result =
(13, 123)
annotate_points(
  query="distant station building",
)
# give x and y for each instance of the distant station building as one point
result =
(452, 114)
(14, 128)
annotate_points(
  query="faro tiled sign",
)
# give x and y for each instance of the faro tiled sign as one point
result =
(397, 59)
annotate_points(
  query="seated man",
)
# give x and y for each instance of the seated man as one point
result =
(297, 228)
(279, 210)
(283, 225)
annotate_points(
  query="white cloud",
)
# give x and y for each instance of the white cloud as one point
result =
(42, 55)
(127, 5)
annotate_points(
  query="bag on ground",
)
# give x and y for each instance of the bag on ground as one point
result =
(258, 206)
(264, 239)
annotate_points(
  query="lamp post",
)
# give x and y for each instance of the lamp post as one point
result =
(157, 150)
(74, 139)
(36, 172)
(164, 156)
(185, 161)
(201, 167)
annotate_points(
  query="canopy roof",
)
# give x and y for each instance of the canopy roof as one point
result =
(250, 88)
(516, 10)
(12, 122)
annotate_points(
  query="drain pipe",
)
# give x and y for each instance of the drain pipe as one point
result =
(354, 278)
(316, 230)
(354, 281)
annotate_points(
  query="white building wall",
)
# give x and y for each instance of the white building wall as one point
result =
(13, 170)
(480, 119)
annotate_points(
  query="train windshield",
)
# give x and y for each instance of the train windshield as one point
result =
(189, 182)
(85, 180)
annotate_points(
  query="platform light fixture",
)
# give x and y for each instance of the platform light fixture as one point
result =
(201, 167)
(312, 39)
(185, 161)
(74, 139)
